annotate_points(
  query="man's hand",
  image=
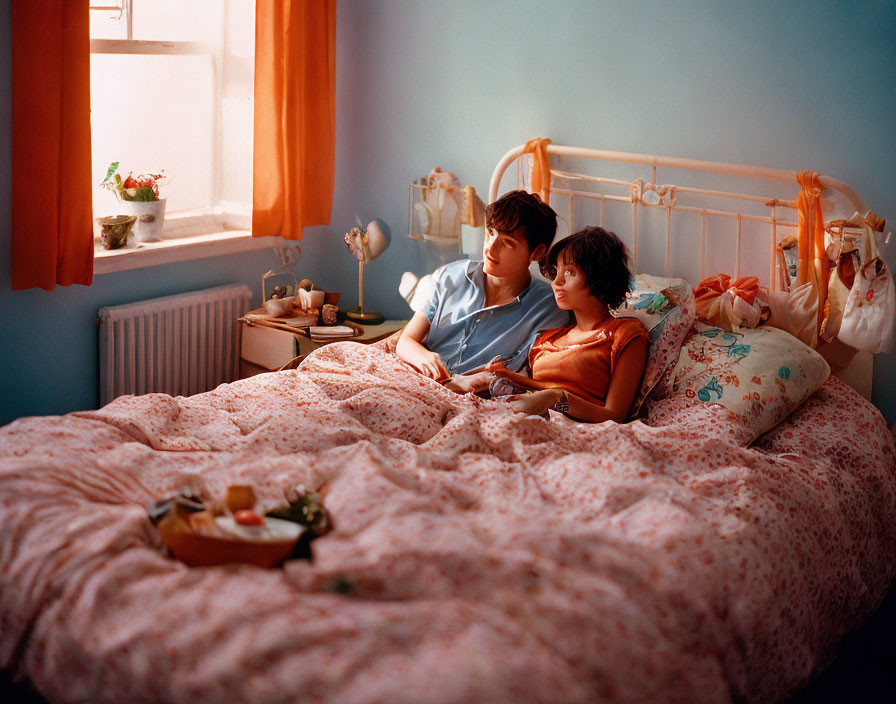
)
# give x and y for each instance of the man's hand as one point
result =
(467, 383)
(410, 348)
(430, 364)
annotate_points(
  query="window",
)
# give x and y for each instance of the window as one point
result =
(171, 89)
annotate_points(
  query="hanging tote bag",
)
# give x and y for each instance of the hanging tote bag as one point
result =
(869, 317)
(844, 253)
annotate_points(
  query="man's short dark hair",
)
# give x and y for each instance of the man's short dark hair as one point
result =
(603, 259)
(521, 209)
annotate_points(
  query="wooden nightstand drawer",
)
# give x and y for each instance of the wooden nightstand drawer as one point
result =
(264, 348)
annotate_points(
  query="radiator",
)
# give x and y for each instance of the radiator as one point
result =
(178, 345)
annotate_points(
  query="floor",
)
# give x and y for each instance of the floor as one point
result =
(863, 673)
(865, 669)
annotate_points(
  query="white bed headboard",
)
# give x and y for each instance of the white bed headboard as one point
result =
(686, 217)
(680, 217)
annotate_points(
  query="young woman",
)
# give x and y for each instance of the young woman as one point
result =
(590, 370)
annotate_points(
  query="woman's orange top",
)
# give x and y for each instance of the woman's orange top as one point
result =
(585, 367)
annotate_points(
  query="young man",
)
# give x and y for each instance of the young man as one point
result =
(480, 310)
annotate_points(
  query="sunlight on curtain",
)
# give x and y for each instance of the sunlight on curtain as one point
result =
(294, 132)
(52, 229)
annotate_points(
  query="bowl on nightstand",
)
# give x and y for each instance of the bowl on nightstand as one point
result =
(278, 307)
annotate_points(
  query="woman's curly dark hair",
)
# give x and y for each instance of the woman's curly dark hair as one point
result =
(603, 259)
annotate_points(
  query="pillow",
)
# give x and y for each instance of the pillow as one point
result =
(666, 309)
(418, 291)
(759, 376)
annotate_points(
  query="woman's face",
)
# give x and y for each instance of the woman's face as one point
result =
(571, 291)
(505, 254)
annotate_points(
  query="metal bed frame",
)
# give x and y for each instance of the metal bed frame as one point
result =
(640, 194)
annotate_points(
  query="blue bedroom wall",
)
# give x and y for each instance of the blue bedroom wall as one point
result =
(456, 84)
(48, 353)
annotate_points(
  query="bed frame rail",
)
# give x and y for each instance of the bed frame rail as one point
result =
(773, 209)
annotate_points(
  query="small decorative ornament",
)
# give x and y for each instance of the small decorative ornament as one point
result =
(328, 314)
(114, 230)
(562, 405)
(280, 282)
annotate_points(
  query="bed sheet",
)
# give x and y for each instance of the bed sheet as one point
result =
(477, 554)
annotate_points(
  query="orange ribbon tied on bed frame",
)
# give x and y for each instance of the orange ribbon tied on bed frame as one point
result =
(541, 167)
(814, 265)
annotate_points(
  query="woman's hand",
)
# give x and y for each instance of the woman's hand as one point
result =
(535, 402)
(470, 383)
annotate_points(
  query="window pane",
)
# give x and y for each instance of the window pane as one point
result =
(106, 24)
(178, 20)
(152, 113)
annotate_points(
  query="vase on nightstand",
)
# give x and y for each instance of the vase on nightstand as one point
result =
(150, 218)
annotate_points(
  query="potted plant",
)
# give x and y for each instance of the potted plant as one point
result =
(140, 197)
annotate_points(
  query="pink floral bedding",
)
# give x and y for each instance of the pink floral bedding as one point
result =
(477, 554)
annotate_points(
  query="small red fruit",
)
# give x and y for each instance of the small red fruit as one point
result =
(248, 517)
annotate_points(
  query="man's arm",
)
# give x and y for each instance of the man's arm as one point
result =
(410, 348)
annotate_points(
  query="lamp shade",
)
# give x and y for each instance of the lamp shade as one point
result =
(368, 243)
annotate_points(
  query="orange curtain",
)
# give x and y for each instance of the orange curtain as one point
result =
(52, 210)
(295, 116)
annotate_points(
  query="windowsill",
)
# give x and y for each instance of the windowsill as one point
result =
(180, 249)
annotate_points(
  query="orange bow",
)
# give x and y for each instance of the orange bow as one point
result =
(541, 167)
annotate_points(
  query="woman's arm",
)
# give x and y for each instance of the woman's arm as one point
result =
(410, 348)
(620, 394)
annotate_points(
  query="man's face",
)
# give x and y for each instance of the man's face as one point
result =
(505, 253)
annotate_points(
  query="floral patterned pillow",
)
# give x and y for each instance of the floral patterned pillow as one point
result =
(758, 376)
(666, 309)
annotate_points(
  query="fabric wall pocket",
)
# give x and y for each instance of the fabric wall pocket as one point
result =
(869, 317)
(440, 206)
(845, 258)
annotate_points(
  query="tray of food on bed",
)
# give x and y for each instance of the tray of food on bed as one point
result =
(202, 533)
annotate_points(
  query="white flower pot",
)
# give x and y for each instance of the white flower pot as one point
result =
(150, 218)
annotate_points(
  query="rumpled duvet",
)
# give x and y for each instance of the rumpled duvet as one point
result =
(477, 555)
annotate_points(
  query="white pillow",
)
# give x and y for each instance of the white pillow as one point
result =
(418, 292)
(759, 375)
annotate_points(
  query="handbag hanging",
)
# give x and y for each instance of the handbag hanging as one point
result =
(869, 316)
(845, 257)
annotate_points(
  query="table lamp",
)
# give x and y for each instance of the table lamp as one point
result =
(366, 244)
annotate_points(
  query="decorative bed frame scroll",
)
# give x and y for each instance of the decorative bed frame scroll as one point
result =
(710, 211)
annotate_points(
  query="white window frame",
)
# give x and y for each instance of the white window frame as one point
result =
(188, 234)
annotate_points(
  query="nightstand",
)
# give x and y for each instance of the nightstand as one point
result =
(266, 347)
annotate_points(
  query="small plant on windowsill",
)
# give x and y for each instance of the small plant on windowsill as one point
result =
(139, 196)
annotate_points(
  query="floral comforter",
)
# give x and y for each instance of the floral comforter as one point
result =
(477, 554)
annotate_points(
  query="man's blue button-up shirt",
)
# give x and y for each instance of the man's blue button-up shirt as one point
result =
(466, 334)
